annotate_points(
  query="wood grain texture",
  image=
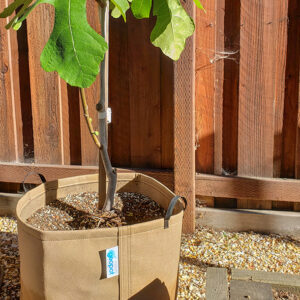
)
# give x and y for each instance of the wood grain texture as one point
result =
(205, 43)
(11, 147)
(297, 205)
(240, 289)
(16, 172)
(65, 121)
(119, 93)
(184, 127)
(291, 104)
(166, 112)
(256, 93)
(144, 95)
(267, 277)
(252, 188)
(205, 97)
(216, 284)
(281, 15)
(46, 105)
(25, 94)
(89, 151)
(219, 82)
(231, 85)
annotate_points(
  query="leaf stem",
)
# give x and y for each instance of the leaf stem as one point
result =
(89, 119)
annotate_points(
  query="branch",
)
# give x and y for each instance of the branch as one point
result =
(88, 119)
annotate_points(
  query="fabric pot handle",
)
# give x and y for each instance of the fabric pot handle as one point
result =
(171, 208)
(42, 177)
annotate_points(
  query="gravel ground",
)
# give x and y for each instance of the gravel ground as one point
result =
(203, 249)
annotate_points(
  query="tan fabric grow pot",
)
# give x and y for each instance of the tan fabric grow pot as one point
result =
(67, 265)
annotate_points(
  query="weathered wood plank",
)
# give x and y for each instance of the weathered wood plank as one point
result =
(291, 107)
(216, 284)
(46, 105)
(17, 172)
(256, 93)
(297, 205)
(74, 125)
(205, 45)
(231, 85)
(8, 203)
(267, 277)
(119, 93)
(250, 290)
(144, 94)
(167, 112)
(252, 188)
(184, 126)
(291, 92)
(10, 109)
(281, 54)
(205, 72)
(219, 81)
(65, 121)
(89, 151)
(25, 94)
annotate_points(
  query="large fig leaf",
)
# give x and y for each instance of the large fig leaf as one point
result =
(173, 26)
(74, 49)
(141, 8)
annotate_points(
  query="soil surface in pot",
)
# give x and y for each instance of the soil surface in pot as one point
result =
(79, 212)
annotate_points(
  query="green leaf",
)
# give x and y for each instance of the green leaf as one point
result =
(141, 8)
(74, 49)
(199, 4)
(173, 26)
(122, 6)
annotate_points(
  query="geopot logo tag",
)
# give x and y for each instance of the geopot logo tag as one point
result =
(110, 262)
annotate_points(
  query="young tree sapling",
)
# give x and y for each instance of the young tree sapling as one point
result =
(75, 51)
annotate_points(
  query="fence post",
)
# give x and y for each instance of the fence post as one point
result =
(184, 127)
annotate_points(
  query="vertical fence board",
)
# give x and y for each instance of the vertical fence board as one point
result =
(204, 86)
(281, 17)
(256, 93)
(15, 75)
(119, 93)
(25, 94)
(10, 110)
(184, 126)
(74, 124)
(89, 151)
(167, 112)
(46, 106)
(231, 86)
(291, 109)
(205, 72)
(297, 205)
(65, 121)
(144, 93)
(219, 81)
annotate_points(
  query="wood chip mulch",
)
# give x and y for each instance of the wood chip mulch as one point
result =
(79, 212)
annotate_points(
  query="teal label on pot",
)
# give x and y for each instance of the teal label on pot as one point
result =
(112, 262)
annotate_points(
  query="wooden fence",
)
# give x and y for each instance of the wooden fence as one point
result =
(247, 91)
(233, 96)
